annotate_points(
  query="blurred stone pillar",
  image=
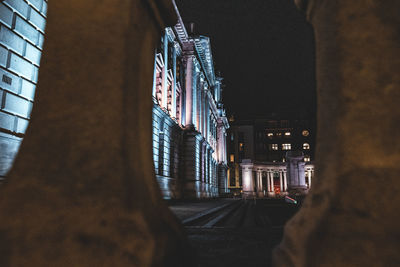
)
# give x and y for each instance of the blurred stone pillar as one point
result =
(82, 191)
(351, 215)
(259, 183)
(247, 178)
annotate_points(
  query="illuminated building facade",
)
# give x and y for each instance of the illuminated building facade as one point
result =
(22, 25)
(271, 157)
(189, 122)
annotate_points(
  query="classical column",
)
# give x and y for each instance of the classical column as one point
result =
(164, 102)
(259, 183)
(268, 182)
(154, 91)
(189, 92)
(173, 86)
(309, 178)
(247, 174)
(285, 181)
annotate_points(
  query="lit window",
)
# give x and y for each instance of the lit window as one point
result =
(286, 146)
(273, 146)
(232, 158)
(270, 135)
(232, 137)
(306, 158)
(287, 134)
(305, 133)
(279, 134)
(306, 146)
(283, 160)
(241, 146)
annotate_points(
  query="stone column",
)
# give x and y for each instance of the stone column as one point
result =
(164, 102)
(82, 191)
(247, 178)
(189, 91)
(309, 178)
(173, 100)
(259, 183)
(357, 48)
(281, 181)
(285, 181)
(154, 90)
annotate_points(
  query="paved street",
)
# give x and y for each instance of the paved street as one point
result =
(231, 232)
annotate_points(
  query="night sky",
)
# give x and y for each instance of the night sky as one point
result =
(264, 49)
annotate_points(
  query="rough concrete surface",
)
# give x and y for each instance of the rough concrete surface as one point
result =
(350, 217)
(82, 190)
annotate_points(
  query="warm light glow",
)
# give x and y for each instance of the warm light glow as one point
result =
(270, 135)
(306, 146)
(305, 133)
(307, 158)
(232, 158)
(286, 146)
(274, 146)
(279, 134)
(240, 146)
(287, 134)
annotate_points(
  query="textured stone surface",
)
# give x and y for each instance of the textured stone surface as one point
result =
(82, 191)
(350, 217)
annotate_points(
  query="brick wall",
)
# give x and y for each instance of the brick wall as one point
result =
(22, 25)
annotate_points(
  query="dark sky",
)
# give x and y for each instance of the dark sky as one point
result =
(264, 49)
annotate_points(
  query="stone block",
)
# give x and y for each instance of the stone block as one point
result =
(22, 67)
(33, 54)
(26, 30)
(22, 124)
(38, 20)
(7, 121)
(11, 40)
(6, 15)
(27, 89)
(9, 81)
(3, 56)
(19, 6)
(44, 9)
(37, 4)
(40, 41)
(17, 105)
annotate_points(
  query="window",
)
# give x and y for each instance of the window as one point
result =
(305, 133)
(273, 147)
(306, 146)
(232, 136)
(241, 146)
(287, 134)
(270, 135)
(306, 158)
(232, 158)
(279, 134)
(286, 146)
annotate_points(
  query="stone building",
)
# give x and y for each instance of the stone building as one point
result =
(189, 122)
(22, 25)
(271, 157)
